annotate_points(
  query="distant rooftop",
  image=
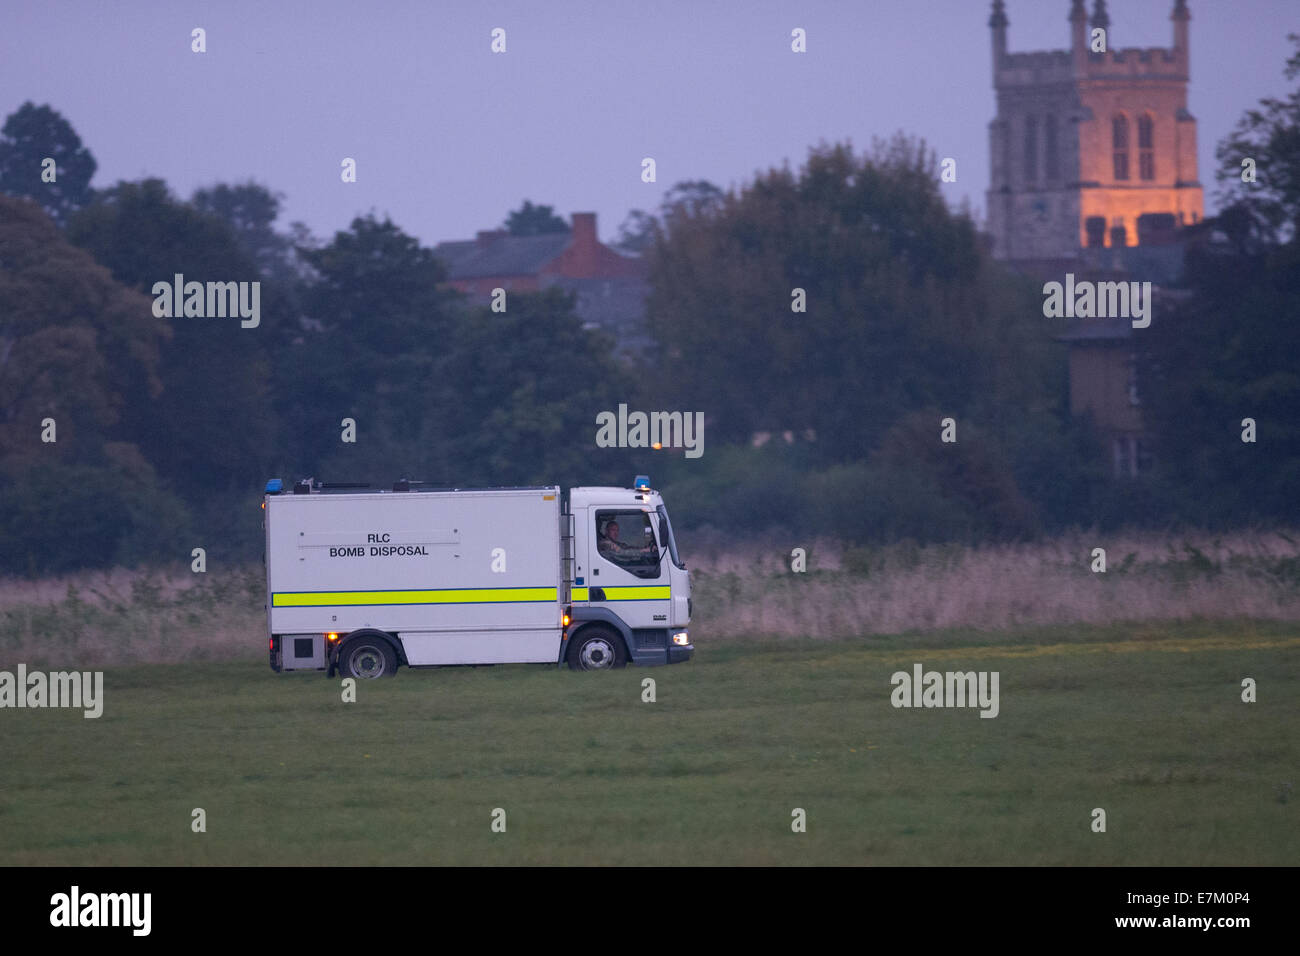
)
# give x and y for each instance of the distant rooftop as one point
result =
(501, 254)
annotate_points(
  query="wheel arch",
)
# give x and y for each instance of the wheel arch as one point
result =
(585, 617)
(364, 632)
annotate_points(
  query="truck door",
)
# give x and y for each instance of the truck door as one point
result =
(626, 562)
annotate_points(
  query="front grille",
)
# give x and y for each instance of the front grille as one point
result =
(650, 637)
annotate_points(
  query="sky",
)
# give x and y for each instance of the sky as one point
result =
(449, 137)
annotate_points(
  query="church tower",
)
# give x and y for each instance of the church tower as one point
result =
(1090, 146)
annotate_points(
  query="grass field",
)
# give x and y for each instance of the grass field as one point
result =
(1145, 721)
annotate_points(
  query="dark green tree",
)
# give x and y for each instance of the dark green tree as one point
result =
(692, 197)
(1268, 137)
(210, 428)
(251, 210)
(530, 220)
(31, 135)
(1228, 352)
(1226, 355)
(520, 393)
(637, 232)
(903, 309)
(686, 198)
(75, 347)
(74, 343)
(384, 318)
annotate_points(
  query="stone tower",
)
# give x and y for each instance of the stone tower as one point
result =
(1090, 148)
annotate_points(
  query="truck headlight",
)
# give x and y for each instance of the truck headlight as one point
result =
(681, 638)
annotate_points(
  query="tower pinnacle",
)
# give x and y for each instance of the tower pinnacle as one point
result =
(1100, 18)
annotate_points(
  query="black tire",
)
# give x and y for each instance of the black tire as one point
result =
(596, 649)
(366, 657)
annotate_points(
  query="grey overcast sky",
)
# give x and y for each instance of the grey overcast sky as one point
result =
(449, 137)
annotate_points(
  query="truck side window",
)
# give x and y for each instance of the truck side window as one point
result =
(627, 539)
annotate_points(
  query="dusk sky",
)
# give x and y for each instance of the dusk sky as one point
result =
(449, 137)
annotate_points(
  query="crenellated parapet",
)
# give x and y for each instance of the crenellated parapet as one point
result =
(1146, 62)
(1033, 69)
(1059, 66)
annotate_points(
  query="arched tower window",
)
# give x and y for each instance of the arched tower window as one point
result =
(1119, 144)
(1031, 149)
(1146, 147)
(1051, 150)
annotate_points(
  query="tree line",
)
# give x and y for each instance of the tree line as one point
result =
(823, 420)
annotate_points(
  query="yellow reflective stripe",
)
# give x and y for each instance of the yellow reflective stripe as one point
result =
(464, 596)
(650, 593)
(579, 594)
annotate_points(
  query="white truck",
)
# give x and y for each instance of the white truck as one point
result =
(361, 582)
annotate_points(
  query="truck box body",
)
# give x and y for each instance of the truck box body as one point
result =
(472, 576)
(461, 576)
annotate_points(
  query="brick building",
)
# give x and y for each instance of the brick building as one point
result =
(610, 287)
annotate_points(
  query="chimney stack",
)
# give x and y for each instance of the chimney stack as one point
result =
(583, 252)
(584, 229)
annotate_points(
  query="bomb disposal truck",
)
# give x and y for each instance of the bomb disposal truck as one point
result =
(362, 582)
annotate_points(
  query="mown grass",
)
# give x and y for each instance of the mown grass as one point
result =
(1146, 722)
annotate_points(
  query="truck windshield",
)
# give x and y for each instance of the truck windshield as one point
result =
(672, 542)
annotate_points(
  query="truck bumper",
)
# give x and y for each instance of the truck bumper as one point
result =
(654, 647)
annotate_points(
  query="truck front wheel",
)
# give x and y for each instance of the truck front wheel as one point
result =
(367, 656)
(596, 649)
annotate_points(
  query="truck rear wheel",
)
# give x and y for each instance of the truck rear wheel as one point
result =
(367, 656)
(596, 649)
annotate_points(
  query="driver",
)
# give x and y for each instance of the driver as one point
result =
(609, 543)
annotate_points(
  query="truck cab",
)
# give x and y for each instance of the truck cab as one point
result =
(627, 572)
